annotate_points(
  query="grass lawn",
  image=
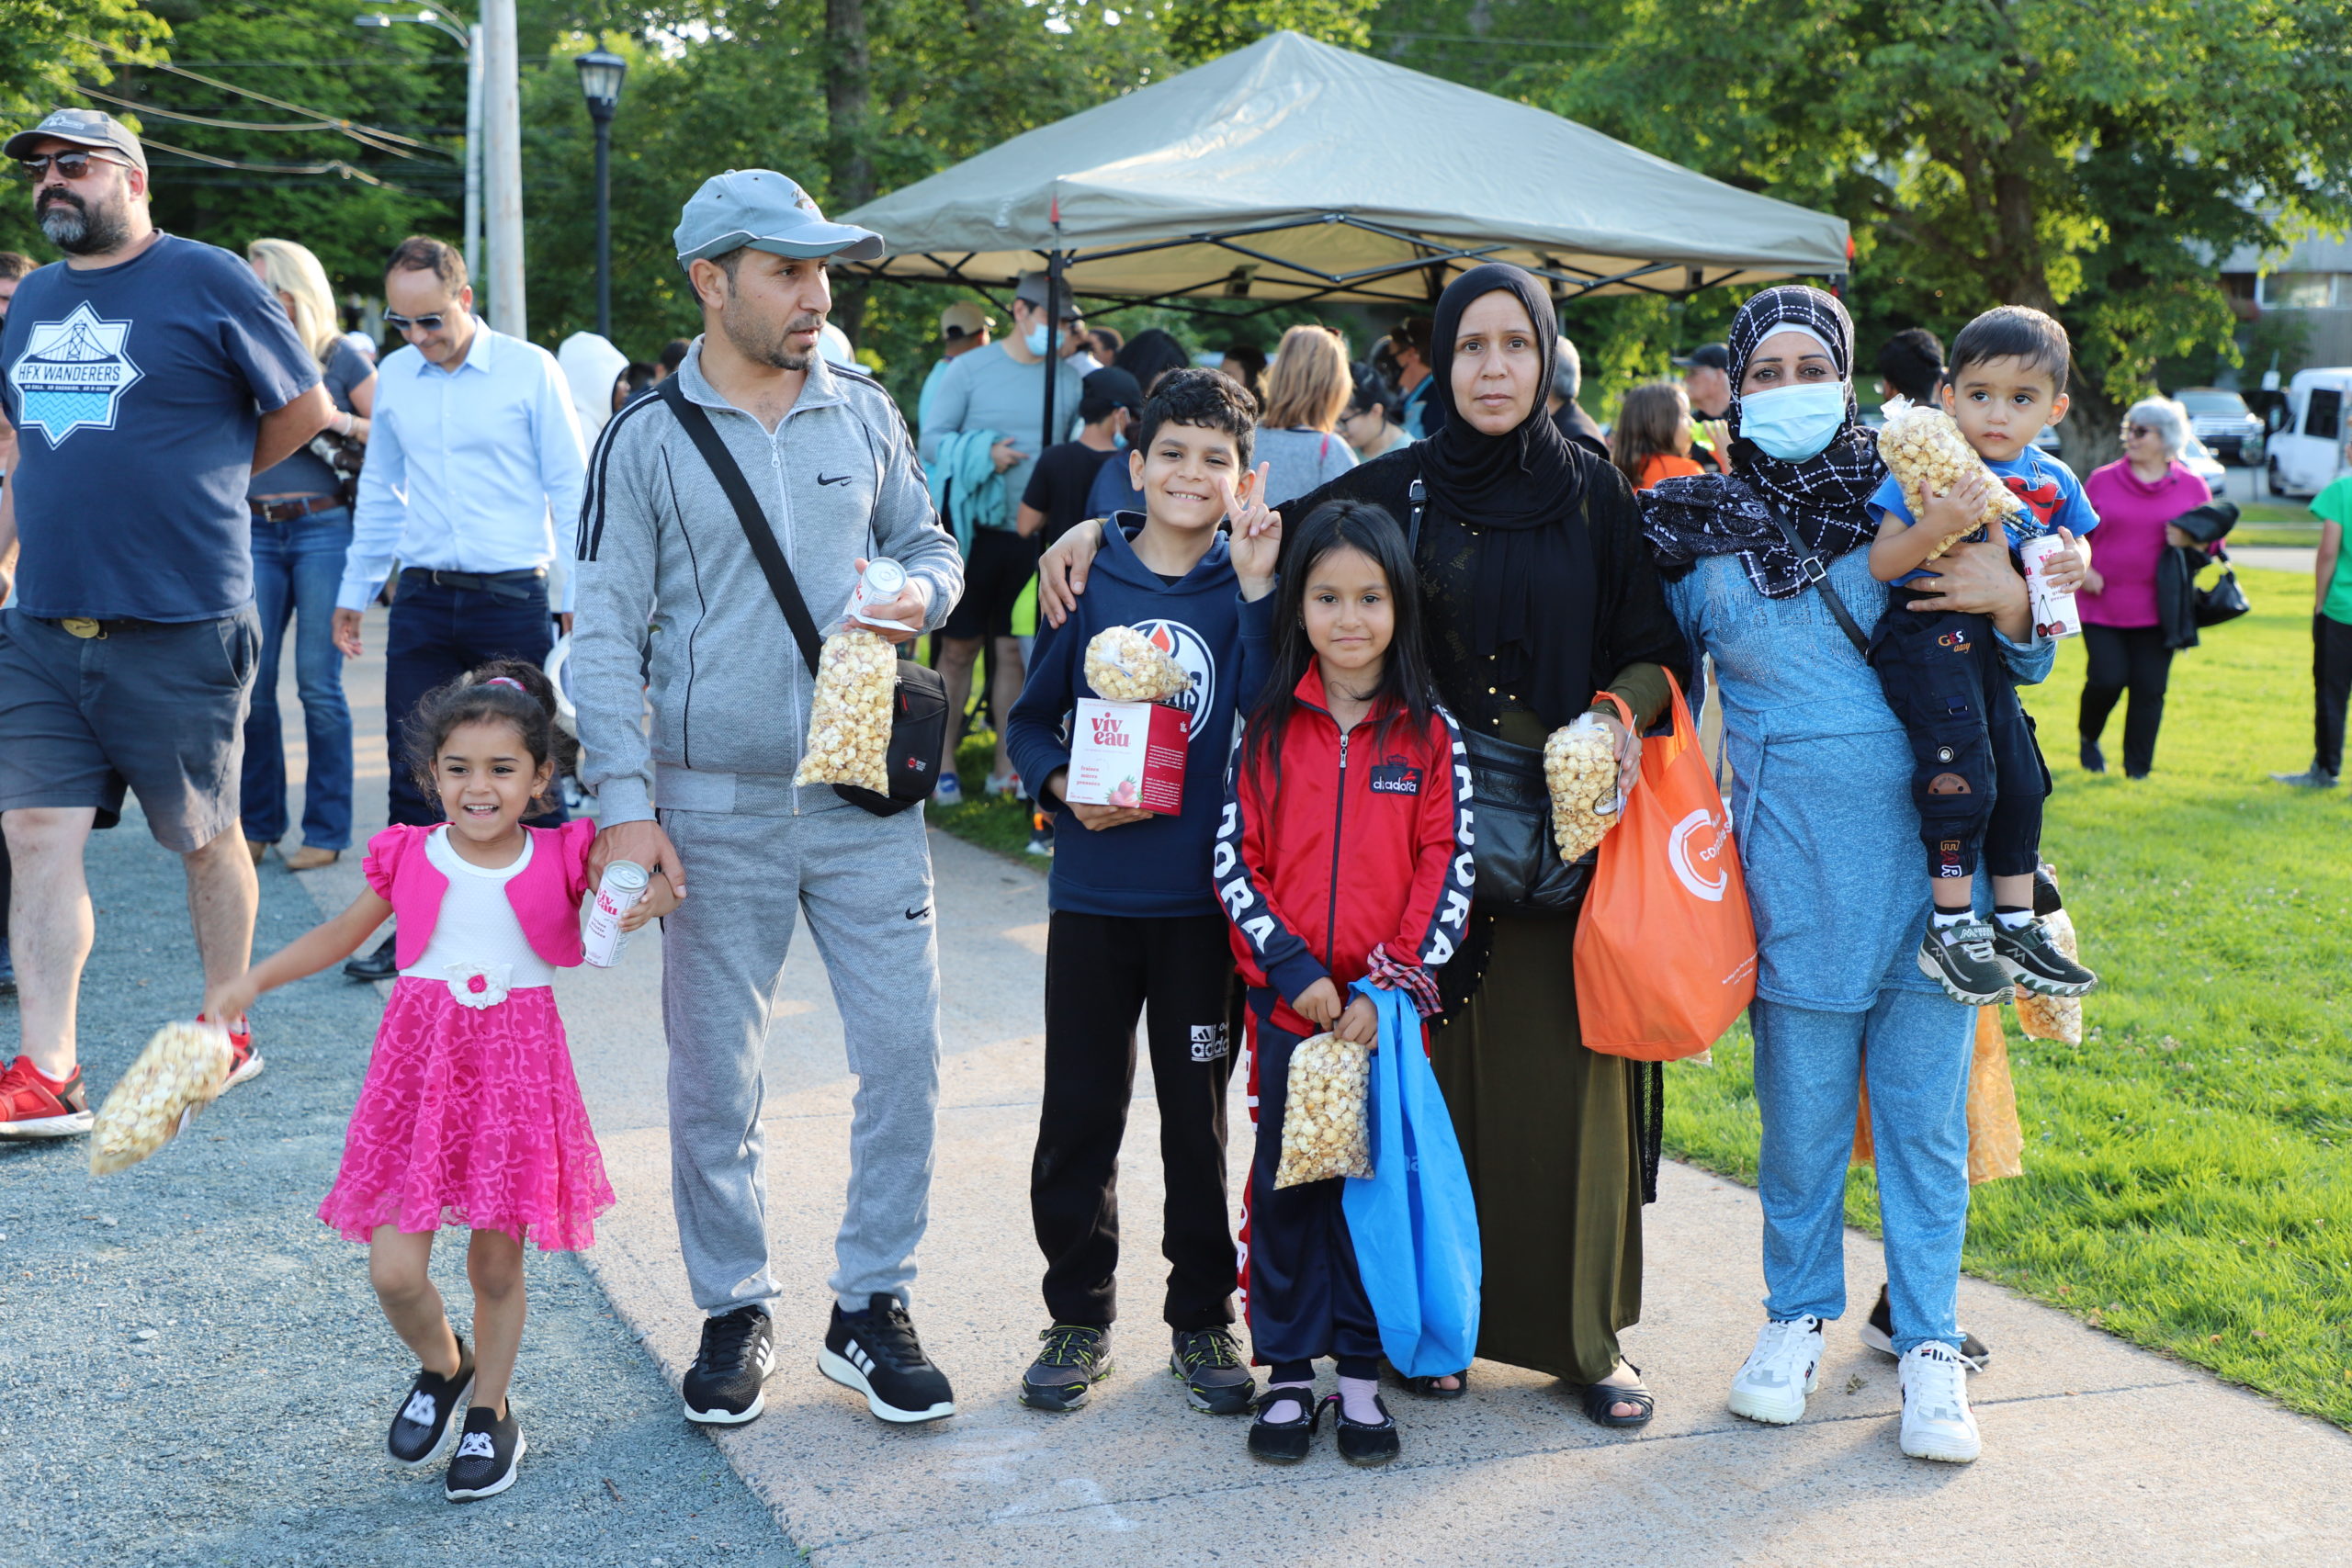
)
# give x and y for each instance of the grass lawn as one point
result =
(993, 822)
(2188, 1167)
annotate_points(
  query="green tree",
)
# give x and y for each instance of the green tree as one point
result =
(47, 49)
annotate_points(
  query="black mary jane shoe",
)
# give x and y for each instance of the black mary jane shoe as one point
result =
(1364, 1443)
(1597, 1397)
(1285, 1442)
(1427, 1387)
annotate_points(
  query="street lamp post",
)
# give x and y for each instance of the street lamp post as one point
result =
(600, 86)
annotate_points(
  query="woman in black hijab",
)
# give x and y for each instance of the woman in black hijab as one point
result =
(1537, 589)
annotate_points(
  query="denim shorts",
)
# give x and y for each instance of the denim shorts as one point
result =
(153, 707)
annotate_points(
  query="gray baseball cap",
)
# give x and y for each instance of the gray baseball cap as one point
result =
(85, 128)
(760, 209)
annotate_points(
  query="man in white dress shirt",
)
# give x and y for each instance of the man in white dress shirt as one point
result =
(475, 446)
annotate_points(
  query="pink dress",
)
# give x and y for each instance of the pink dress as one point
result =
(470, 1114)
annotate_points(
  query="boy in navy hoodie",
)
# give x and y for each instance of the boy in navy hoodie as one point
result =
(1136, 927)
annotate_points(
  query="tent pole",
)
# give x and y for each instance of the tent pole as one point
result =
(1052, 344)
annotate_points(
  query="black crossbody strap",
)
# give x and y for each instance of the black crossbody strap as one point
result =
(729, 474)
(1810, 567)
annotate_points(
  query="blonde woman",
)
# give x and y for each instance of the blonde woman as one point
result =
(302, 530)
(1305, 393)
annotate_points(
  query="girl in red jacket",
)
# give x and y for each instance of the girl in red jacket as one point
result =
(1343, 857)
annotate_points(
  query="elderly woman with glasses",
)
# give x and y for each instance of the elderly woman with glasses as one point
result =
(2136, 498)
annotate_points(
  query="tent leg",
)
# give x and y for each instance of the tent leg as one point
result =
(1053, 342)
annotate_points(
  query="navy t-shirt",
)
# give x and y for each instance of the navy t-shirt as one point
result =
(137, 390)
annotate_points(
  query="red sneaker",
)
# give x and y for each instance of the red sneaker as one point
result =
(34, 1106)
(244, 1062)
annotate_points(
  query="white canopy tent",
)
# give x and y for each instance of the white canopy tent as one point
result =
(1294, 171)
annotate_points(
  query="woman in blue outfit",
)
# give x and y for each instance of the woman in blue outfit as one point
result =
(1824, 821)
(302, 530)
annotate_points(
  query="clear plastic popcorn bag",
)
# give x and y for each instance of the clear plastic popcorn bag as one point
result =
(1580, 767)
(849, 722)
(183, 1066)
(1326, 1119)
(1927, 454)
(1125, 666)
(2054, 1018)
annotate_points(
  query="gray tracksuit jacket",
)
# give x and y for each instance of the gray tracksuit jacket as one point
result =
(669, 587)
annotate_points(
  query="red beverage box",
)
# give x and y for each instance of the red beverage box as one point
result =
(1127, 754)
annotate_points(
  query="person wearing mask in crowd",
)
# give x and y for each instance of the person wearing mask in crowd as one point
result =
(1652, 433)
(1911, 365)
(1567, 379)
(1305, 394)
(1706, 382)
(1824, 807)
(2136, 499)
(127, 659)
(1148, 356)
(1364, 424)
(475, 448)
(1409, 345)
(963, 327)
(1538, 590)
(14, 265)
(1247, 363)
(2331, 634)
(993, 399)
(660, 537)
(1105, 344)
(302, 530)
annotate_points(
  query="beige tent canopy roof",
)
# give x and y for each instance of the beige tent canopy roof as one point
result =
(1293, 170)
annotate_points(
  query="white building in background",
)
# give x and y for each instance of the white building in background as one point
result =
(2311, 283)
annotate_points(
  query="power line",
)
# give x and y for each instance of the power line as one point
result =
(204, 119)
(367, 135)
(332, 166)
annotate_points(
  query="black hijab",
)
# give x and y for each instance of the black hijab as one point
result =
(1822, 496)
(1522, 492)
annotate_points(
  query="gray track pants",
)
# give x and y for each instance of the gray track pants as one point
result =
(857, 877)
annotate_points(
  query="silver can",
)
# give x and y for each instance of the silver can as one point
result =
(882, 581)
(616, 895)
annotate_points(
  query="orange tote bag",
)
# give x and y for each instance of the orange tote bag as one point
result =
(1666, 951)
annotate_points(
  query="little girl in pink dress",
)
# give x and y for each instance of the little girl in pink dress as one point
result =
(470, 1114)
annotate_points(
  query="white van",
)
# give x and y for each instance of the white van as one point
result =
(2308, 450)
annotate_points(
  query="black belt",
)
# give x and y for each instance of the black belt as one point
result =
(288, 511)
(85, 627)
(475, 581)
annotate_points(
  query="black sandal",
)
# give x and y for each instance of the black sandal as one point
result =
(1364, 1442)
(1427, 1389)
(1285, 1442)
(1597, 1397)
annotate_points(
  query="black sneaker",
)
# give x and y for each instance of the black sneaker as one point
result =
(488, 1456)
(722, 1388)
(1075, 1358)
(2033, 961)
(1959, 958)
(2094, 759)
(1879, 1334)
(876, 1353)
(1215, 1377)
(428, 1415)
(381, 964)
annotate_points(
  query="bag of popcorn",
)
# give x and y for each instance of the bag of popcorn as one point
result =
(183, 1066)
(849, 722)
(1125, 666)
(1580, 766)
(1326, 1121)
(2054, 1018)
(1925, 452)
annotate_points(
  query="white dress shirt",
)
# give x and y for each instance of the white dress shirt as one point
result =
(466, 469)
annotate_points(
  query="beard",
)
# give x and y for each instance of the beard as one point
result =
(762, 342)
(76, 228)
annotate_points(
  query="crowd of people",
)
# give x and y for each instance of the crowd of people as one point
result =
(1434, 553)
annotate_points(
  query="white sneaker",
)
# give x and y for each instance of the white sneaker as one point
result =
(1937, 1422)
(950, 791)
(1004, 783)
(1784, 1367)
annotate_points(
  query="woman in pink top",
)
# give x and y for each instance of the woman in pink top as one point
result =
(2136, 499)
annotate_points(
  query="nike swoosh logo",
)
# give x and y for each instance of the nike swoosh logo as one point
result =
(919, 914)
(833, 480)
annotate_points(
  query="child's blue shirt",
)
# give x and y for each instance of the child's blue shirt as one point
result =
(2053, 498)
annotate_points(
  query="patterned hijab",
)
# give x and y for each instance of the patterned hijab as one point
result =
(1822, 496)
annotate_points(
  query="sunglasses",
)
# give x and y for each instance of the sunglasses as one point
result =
(2134, 431)
(399, 323)
(73, 165)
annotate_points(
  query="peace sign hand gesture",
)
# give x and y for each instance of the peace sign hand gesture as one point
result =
(1256, 544)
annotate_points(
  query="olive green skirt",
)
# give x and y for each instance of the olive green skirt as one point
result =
(1549, 1132)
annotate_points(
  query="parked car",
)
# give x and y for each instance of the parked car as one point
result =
(2224, 423)
(2199, 459)
(2308, 450)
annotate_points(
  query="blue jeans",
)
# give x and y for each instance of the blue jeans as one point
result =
(1808, 1067)
(297, 568)
(437, 634)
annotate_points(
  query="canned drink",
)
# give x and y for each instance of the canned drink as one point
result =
(616, 895)
(882, 581)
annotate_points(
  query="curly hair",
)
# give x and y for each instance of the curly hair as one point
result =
(1210, 400)
(472, 698)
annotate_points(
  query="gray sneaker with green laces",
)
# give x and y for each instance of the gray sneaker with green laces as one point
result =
(1960, 959)
(2033, 961)
(1217, 1377)
(1075, 1358)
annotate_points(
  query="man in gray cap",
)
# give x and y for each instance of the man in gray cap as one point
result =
(828, 460)
(147, 378)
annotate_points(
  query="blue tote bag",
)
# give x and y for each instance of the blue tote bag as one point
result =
(1413, 1222)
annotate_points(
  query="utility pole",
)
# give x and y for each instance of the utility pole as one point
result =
(502, 166)
(473, 149)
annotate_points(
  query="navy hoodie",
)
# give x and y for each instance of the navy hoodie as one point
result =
(1159, 867)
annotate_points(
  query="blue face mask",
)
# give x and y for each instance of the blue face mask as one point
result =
(1037, 340)
(1793, 422)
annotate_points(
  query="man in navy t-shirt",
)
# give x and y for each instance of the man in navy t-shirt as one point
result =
(147, 377)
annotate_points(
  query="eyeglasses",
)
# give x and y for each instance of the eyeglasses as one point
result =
(73, 165)
(399, 323)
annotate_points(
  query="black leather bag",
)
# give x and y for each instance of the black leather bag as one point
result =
(918, 707)
(2225, 600)
(1519, 869)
